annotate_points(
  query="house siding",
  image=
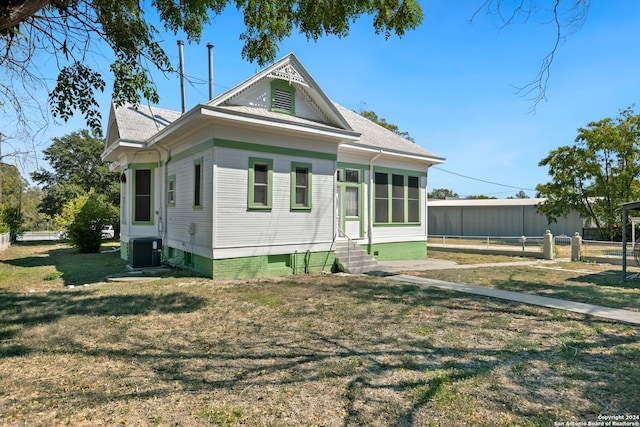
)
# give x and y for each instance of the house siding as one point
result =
(190, 227)
(237, 226)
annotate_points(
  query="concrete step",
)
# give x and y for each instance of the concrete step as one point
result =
(354, 258)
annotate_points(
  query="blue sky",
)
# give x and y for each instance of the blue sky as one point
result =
(450, 84)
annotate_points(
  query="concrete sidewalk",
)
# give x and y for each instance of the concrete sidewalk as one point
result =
(393, 267)
(441, 264)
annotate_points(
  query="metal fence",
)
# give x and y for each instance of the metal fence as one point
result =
(489, 242)
(562, 245)
(38, 236)
(603, 248)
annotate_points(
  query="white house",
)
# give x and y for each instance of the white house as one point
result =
(264, 179)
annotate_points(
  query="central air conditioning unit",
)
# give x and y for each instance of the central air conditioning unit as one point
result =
(145, 252)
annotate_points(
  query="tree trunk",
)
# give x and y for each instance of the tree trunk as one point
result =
(13, 12)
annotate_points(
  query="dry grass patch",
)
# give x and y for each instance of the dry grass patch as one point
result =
(304, 350)
(598, 284)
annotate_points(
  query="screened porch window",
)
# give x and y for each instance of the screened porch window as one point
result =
(381, 197)
(397, 198)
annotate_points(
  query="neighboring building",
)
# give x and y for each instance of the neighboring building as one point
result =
(496, 217)
(264, 179)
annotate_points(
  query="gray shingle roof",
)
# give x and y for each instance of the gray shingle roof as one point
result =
(376, 136)
(141, 123)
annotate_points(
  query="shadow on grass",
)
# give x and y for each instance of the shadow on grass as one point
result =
(18, 312)
(73, 268)
(609, 278)
(600, 291)
(383, 378)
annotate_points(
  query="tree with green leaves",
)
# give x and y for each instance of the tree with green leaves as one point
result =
(443, 194)
(13, 184)
(76, 168)
(71, 31)
(519, 195)
(11, 216)
(596, 174)
(480, 197)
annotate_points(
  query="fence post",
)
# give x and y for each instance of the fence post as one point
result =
(576, 246)
(547, 248)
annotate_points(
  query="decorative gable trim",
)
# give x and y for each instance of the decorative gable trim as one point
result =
(289, 69)
(289, 73)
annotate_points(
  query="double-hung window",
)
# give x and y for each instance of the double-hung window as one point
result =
(171, 190)
(301, 186)
(197, 183)
(260, 183)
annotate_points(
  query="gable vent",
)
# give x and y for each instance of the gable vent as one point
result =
(282, 100)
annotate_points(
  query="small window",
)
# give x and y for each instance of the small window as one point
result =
(260, 183)
(349, 175)
(283, 97)
(171, 190)
(300, 185)
(197, 183)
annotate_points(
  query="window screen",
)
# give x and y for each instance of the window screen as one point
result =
(142, 196)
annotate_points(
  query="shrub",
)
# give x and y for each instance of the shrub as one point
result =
(87, 215)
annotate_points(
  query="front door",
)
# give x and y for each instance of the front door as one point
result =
(350, 203)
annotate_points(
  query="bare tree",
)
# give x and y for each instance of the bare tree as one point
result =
(565, 17)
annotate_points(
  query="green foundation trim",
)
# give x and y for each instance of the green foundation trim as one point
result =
(124, 250)
(272, 265)
(251, 267)
(399, 251)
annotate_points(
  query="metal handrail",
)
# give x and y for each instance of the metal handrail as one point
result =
(349, 243)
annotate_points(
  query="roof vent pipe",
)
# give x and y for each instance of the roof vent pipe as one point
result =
(182, 89)
(210, 47)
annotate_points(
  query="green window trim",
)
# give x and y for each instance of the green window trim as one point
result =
(198, 173)
(400, 197)
(262, 170)
(136, 198)
(171, 190)
(283, 97)
(301, 192)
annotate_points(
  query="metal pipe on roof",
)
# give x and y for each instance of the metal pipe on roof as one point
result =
(210, 47)
(183, 92)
